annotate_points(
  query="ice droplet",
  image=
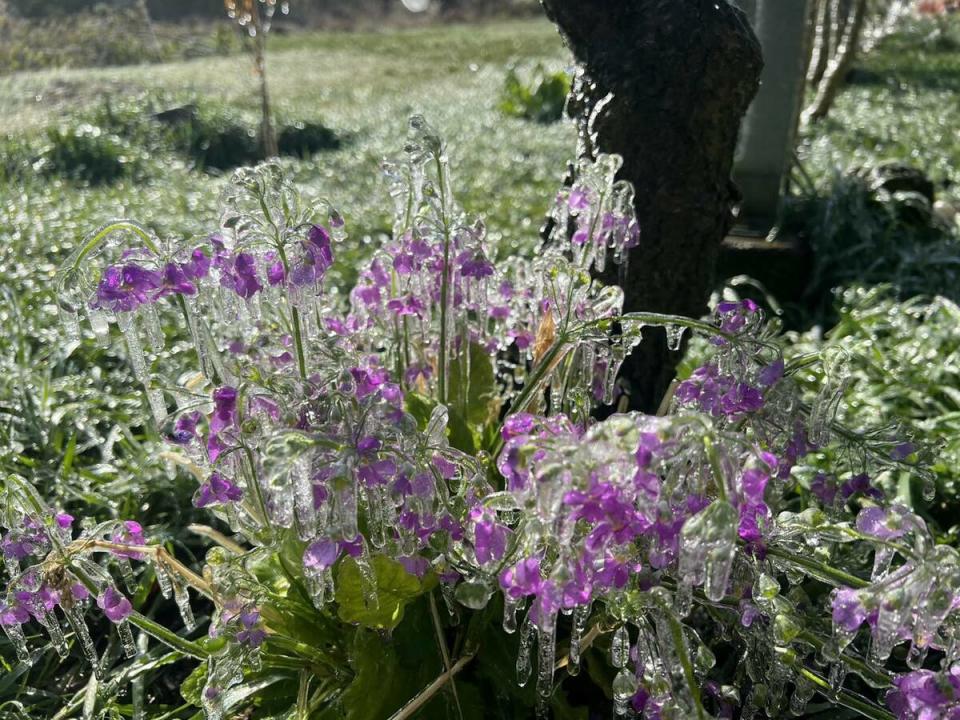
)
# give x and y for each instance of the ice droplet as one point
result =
(624, 687)
(674, 336)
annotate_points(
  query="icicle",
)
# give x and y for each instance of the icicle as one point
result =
(139, 362)
(803, 691)
(126, 572)
(14, 633)
(52, 625)
(510, 614)
(163, 580)
(447, 593)
(78, 622)
(126, 639)
(523, 654)
(580, 615)
(321, 587)
(345, 507)
(368, 580)
(624, 687)
(546, 657)
(881, 562)
(182, 598)
(100, 326)
(151, 325)
(620, 647)
(683, 599)
(835, 678)
(306, 515)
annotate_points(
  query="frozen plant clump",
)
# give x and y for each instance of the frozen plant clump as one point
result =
(432, 437)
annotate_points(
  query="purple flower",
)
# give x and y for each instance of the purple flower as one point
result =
(824, 488)
(315, 259)
(321, 554)
(378, 472)
(860, 484)
(475, 265)
(578, 200)
(926, 695)
(753, 482)
(185, 428)
(114, 605)
(224, 408)
(124, 289)
(741, 398)
(407, 305)
(251, 633)
(522, 579)
(446, 468)
(886, 524)
(848, 611)
(130, 532)
(902, 451)
(174, 280)
(15, 614)
(367, 382)
(771, 374)
(240, 275)
(198, 266)
(519, 424)
(217, 490)
(490, 537)
(415, 564)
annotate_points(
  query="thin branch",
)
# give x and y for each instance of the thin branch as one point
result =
(430, 690)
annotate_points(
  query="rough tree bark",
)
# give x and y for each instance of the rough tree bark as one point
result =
(680, 76)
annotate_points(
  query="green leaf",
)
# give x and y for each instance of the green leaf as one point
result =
(192, 687)
(460, 434)
(395, 587)
(420, 406)
(472, 386)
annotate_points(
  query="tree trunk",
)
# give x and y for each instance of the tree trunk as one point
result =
(664, 84)
(839, 66)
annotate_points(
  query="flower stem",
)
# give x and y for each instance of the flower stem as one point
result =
(549, 361)
(819, 570)
(444, 287)
(679, 646)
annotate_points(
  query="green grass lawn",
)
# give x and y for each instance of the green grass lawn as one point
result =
(902, 103)
(364, 85)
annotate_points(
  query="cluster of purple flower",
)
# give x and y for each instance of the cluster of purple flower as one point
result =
(369, 430)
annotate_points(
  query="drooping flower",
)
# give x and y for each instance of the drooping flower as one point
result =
(114, 605)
